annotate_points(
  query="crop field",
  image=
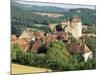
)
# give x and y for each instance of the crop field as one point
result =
(16, 69)
(49, 14)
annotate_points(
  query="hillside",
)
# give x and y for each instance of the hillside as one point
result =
(88, 16)
(26, 16)
(49, 14)
(37, 8)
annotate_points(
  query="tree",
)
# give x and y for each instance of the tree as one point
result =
(15, 50)
(57, 56)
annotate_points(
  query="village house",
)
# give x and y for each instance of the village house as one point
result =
(26, 34)
(22, 43)
(81, 48)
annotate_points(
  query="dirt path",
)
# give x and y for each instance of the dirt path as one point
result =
(16, 69)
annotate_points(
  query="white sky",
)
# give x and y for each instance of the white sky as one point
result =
(65, 5)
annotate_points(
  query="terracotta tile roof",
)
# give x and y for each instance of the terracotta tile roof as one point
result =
(21, 42)
(84, 49)
(74, 48)
(61, 34)
(36, 46)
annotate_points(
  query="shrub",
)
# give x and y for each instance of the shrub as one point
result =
(15, 50)
(76, 62)
(42, 49)
(91, 42)
(38, 60)
(33, 59)
(91, 64)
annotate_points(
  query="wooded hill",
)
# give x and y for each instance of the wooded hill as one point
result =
(22, 17)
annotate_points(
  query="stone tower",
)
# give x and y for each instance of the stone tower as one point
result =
(75, 27)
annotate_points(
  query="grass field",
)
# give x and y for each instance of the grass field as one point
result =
(49, 14)
(17, 69)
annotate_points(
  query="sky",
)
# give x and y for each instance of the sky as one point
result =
(61, 5)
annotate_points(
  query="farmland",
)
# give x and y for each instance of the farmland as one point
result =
(49, 14)
(19, 69)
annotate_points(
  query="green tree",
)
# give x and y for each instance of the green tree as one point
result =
(57, 56)
(15, 50)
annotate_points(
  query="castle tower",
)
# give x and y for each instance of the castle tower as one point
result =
(76, 27)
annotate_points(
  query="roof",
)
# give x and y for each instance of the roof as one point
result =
(81, 48)
(25, 34)
(84, 48)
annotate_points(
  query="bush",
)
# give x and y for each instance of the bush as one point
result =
(15, 50)
(33, 59)
(91, 64)
(42, 49)
(39, 60)
(91, 43)
(76, 62)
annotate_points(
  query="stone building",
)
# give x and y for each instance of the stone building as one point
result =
(74, 27)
